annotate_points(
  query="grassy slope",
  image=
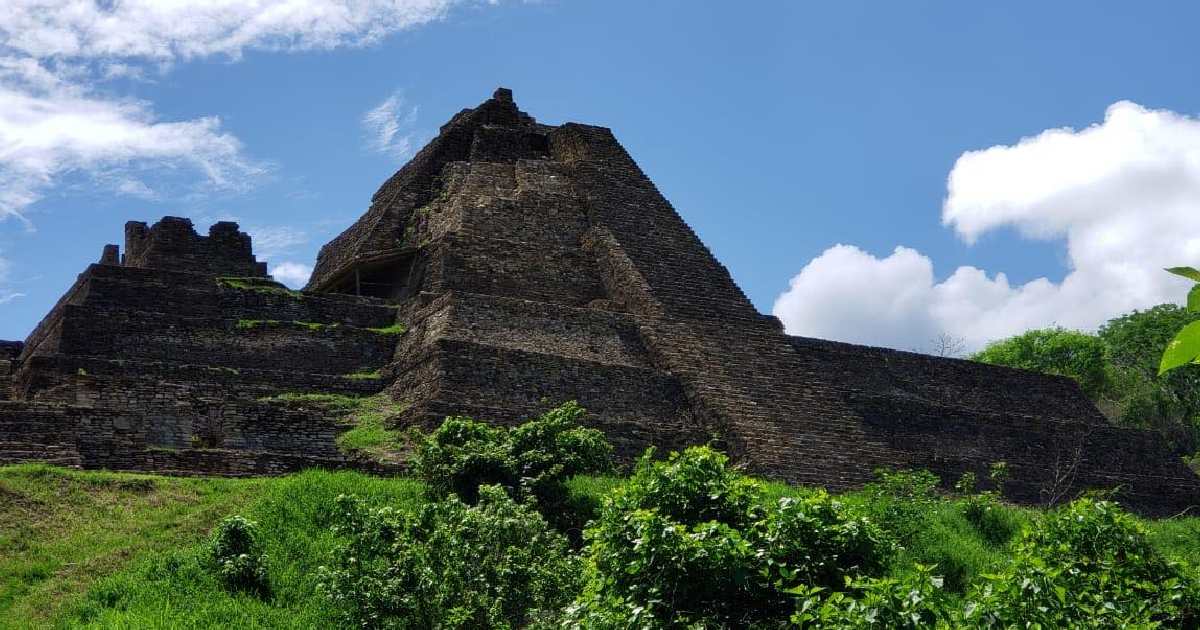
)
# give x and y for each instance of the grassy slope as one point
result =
(108, 550)
(60, 529)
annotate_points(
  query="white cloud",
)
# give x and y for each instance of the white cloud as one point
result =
(185, 29)
(271, 241)
(292, 274)
(55, 53)
(52, 129)
(1123, 194)
(385, 123)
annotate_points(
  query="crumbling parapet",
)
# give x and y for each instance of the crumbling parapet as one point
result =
(10, 350)
(172, 244)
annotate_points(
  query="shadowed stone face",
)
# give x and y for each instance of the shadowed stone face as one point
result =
(530, 264)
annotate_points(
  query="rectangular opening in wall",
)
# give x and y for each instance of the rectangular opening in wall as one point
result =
(385, 277)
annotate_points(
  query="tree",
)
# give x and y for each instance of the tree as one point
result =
(1169, 402)
(947, 345)
(1069, 353)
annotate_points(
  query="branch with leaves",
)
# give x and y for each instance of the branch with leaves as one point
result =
(1185, 347)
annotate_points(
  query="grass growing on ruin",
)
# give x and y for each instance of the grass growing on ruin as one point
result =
(258, 285)
(371, 436)
(365, 375)
(105, 550)
(252, 324)
(328, 402)
(60, 530)
(394, 329)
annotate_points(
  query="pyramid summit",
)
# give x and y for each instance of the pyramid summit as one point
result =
(508, 267)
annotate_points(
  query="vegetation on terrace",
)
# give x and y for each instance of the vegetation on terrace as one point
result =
(395, 329)
(369, 434)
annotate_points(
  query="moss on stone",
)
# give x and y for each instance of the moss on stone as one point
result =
(251, 324)
(259, 285)
(394, 329)
(363, 376)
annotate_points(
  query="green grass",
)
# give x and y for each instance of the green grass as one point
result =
(60, 530)
(173, 589)
(252, 324)
(259, 285)
(371, 436)
(394, 329)
(365, 375)
(109, 550)
(328, 402)
(1178, 538)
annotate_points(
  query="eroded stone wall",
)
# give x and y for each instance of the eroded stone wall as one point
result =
(172, 244)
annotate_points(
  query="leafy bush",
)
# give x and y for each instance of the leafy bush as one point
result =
(1185, 346)
(531, 460)
(690, 542)
(235, 554)
(1089, 564)
(1070, 353)
(1119, 368)
(496, 564)
(914, 600)
(901, 501)
(1169, 403)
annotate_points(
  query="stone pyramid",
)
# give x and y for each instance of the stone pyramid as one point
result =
(530, 265)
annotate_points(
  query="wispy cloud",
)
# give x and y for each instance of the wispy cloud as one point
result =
(55, 54)
(273, 240)
(50, 128)
(171, 31)
(6, 294)
(389, 126)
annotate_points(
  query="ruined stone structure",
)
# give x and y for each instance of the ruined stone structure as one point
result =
(531, 264)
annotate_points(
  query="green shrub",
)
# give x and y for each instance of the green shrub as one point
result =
(1089, 564)
(914, 600)
(901, 501)
(1077, 355)
(984, 511)
(690, 542)
(496, 564)
(531, 460)
(235, 554)
(994, 523)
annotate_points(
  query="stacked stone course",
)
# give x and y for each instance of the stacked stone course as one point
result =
(532, 264)
(169, 360)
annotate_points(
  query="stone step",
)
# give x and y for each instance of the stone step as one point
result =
(45, 373)
(229, 298)
(271, 345)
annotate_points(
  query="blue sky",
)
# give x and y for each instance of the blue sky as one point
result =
(804, 142)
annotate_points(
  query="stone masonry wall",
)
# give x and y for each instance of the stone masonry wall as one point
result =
(173, 244)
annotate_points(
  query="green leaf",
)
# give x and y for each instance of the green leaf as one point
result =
(1187, 272)
(1193, 302)
(1183, 349)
